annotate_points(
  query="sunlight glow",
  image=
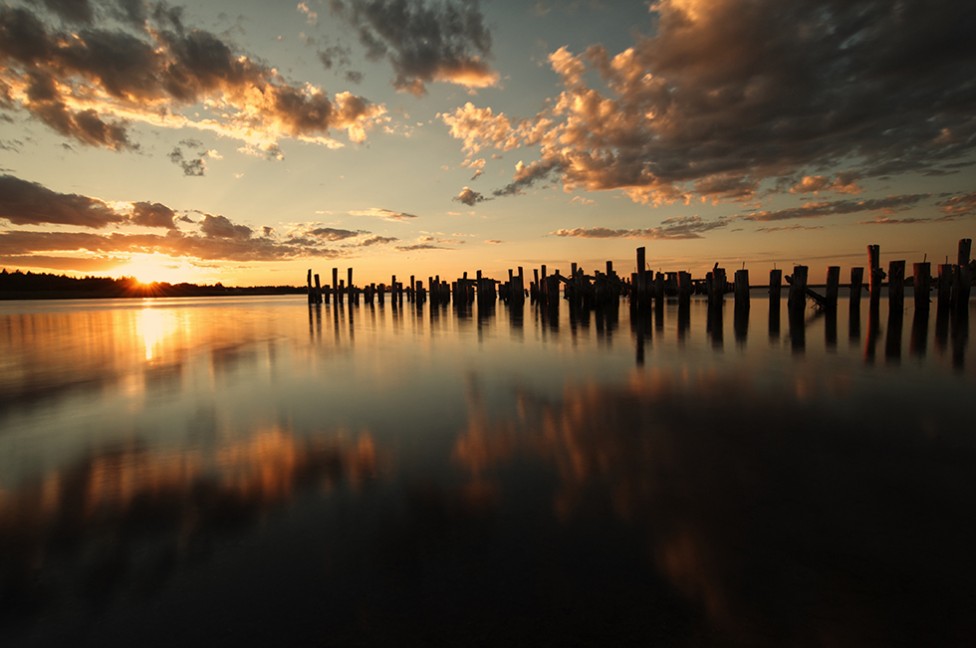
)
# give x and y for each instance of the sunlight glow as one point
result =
(147, 268)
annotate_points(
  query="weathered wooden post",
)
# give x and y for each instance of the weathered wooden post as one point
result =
(641, 277)
(741, 279)
(775, 288)
(308, 281)
(896, 285)
(716, 292)
(921, 284)
(318, 289)
(963, 276)
(353, 297)
(876, 278)
(857, 283)
(796, 302)
(684, 288)
(335, 286)
(944, 295)
(833, 282)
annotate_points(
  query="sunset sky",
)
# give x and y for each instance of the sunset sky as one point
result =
(246, 141)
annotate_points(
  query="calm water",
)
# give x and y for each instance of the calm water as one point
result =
(211, 472)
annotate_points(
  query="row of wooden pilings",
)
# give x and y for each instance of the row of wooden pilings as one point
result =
(953, 284)
(646, 288)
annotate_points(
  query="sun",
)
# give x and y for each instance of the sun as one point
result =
(149, 268)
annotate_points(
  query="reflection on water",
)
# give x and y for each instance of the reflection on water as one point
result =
(258, 470)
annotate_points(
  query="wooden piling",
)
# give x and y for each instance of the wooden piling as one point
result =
(308, 281)
(684, 289)
(944, 294)
(775, 288)
(741, 279)
(921, 284)
(335, 286)
(876, 276)
(798, 289)
(318, 289)
(896, 285)
(857, 283)
(833, 282)
(963, 276)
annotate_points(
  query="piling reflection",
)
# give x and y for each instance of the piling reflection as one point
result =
(741, 517)
(126, 518)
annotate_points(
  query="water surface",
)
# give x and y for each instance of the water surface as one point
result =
(207, 471)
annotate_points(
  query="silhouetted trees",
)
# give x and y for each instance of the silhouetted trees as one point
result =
(29, 285)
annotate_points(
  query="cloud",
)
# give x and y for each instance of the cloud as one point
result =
(827, 208)
(378, 240)
(91, 84)
(222, 227)
(80, 264)
(421, 246)
(959, 206)
(727, 95)
(884, 220)
(469, 197)
(153, 215)
(29, 203)
(841, 183)
(311, 17)
(788, 228)
(424, 42)
(333, 234)
(686, 227)
(77, 11)
(387, 214)
(192, 167)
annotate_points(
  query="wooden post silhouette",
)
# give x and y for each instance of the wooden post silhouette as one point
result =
(921, 283)
(896, 285)
(833, 282)
(876, 277)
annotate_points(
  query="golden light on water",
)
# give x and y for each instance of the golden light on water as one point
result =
(153, 326)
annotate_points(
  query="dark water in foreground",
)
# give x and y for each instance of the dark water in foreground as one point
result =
(252, 471)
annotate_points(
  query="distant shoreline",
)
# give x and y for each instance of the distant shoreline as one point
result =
(27, 285)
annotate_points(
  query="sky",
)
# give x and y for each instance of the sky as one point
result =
(246, 141)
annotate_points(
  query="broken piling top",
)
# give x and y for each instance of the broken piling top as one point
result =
(965, 249)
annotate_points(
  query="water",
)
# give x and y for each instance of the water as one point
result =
(217, 471)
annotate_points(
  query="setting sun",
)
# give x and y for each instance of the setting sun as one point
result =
(149, 268)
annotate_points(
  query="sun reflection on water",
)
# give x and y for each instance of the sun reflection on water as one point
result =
(154, 326)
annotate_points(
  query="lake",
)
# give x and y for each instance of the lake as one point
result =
(181, 472)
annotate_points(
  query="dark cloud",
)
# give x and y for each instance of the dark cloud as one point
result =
(884, 220)
(831, 208)
(788, 228)
(959, 206)
(222, 227)
(174, 244)
(726, 95)
(354, 76)
(333, 234)
(687, 227)
(79, 11)
(156, 68)
(421, 246)
(469, 197)
(334, 56)
(378, 240)
(195, 166)
(423, 41)
(526, 175)
(153, 215)
(29, 203)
